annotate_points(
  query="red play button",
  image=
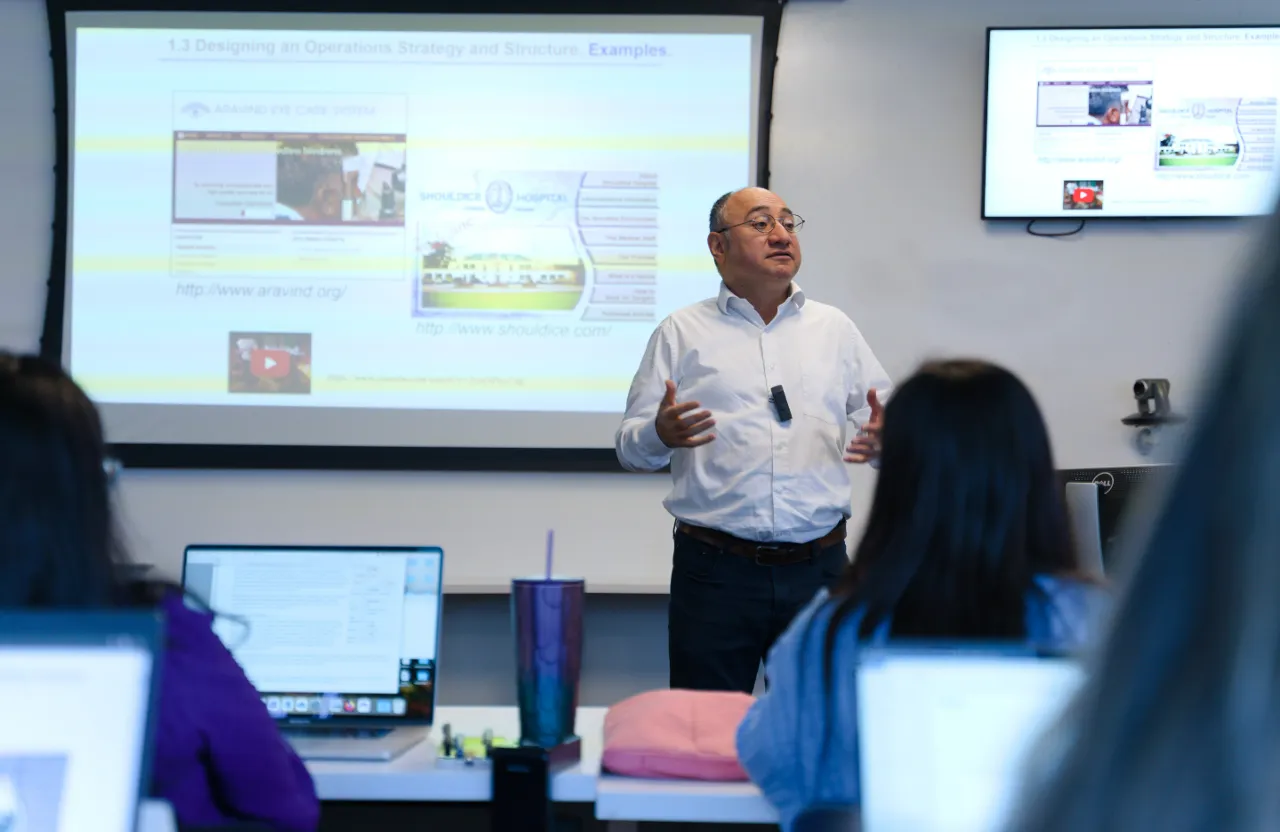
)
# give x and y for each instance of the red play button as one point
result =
(1084, 195)
(269, 363)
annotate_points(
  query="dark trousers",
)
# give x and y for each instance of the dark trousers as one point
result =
(726, 610)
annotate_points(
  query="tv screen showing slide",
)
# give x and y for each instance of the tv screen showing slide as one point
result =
(392, 230)
(1161, 122)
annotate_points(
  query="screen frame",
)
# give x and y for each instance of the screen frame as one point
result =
(986, 126)
(372, 721)
(145, 630)
(872, 655)
(359, 457)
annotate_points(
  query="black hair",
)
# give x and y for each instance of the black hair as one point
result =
(59, 543)
(967, 511)
(716, 220)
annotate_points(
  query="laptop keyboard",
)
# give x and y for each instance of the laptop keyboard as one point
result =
(300, 732)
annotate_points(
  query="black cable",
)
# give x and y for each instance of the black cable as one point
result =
(1035, 233)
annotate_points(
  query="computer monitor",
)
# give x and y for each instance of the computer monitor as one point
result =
(75, 739)
(944, 731)
(1119, 489)
(1082, 512)
(328, 635)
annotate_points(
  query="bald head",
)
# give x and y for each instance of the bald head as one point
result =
(747, 258)
(743, 199)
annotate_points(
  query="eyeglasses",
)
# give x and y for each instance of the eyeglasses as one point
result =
(790, 223)
(111, 467)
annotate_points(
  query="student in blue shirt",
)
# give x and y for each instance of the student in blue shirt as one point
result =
(967, 539)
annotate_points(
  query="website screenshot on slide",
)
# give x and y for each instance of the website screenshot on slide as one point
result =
(1132, 122)
(449, 220)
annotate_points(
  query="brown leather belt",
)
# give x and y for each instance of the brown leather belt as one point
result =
(765, 554)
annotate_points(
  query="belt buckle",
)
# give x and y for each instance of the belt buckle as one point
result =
(763, 548)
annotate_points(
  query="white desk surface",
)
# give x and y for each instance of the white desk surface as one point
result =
(414, 776)
(680, 801)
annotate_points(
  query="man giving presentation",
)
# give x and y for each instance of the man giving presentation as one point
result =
(748, 396)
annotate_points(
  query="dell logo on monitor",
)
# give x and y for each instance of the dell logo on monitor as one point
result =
(1105, 481)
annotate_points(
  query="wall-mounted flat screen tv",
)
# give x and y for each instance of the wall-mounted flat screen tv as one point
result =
(1132, 122)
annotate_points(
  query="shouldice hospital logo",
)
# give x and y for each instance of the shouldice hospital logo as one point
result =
(498, 196)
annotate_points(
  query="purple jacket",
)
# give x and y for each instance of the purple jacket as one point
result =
(219, 757)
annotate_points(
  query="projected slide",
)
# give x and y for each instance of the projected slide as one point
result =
(466, 221)
(1132, 122)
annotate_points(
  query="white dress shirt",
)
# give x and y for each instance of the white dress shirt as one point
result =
(760, 479)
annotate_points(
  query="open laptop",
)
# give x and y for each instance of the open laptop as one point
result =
(75, 739)
(944, 730)
(340, 642)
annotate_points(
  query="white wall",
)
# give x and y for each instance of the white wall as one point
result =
(877, 142)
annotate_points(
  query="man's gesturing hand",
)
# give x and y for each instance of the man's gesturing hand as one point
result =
(866, 445)
(675, 429)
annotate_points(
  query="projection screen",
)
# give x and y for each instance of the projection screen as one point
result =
(341, 238)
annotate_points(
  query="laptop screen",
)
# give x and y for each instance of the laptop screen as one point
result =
(74, 745)
(328, 635)
(943, 732)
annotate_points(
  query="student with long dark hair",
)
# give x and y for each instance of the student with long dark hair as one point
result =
(967, 539)
(1178, 724)
(218, 756)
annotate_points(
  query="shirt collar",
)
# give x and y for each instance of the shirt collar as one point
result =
(727, 297)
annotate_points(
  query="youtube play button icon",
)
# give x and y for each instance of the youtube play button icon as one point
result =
(269, 363)
(1084, 196)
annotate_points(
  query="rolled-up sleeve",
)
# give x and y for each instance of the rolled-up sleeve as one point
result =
(868, 375)
(637, 443)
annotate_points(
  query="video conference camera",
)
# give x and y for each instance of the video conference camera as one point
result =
(1152, 395)
(1154, 410)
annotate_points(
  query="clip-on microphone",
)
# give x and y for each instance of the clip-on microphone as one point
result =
(780, 403)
